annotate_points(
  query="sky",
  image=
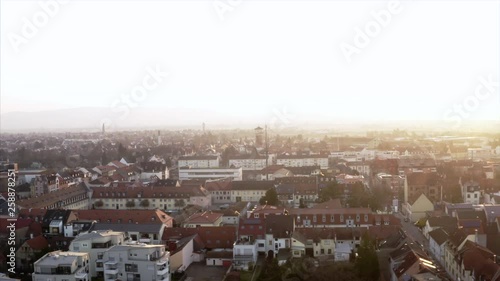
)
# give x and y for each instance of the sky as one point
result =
(313, 60)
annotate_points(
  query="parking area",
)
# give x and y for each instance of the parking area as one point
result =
(201, 272)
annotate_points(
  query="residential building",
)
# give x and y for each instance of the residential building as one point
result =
(133, 195)
(95, 244)
(206, 219)
(471, 191)
(136, 261)
(188, 173)
(208, 161)
(220, 191)
(427, 183)
(62, 266)
(73, 197)
(415, 210)
(303, 160)
(249, 191)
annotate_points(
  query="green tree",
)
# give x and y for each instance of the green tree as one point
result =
(366, 263)
(130, 204)
(145, 203)
(332, 191)
(271, 198)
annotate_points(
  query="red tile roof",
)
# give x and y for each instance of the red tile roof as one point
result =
(124, 216)
(212, 237)
(38, 243)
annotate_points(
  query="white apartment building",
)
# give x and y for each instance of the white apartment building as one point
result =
(137, 262)
(255, 163)
(471, 192)
(62, 266)
(95, 244)
(303, 161)
(187, 173)
(208, 161)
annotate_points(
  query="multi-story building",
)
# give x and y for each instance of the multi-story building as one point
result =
(95, 244)
(423, 183)
(62, 266)
(132, 195)
(208, 161)
(188, 173)
(220, 191)
(303, 160)
(250, 162)
(249, 191)
(136, 262)
(471, 191)
(74, 197)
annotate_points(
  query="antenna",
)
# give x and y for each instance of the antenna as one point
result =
(267, 151)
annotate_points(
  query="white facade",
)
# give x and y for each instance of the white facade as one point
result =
(249, 163)
(199, 162)
(137, 262)
(244, 253)
(62, 266)
(210, 173)
(95, 244)
(303, 161)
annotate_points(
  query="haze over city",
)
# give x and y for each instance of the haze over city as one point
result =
(320, 62)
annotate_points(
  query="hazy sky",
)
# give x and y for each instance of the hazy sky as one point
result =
(246, 58)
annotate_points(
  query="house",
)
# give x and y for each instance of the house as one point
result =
(249, 191)
(25, 255)
(137, 261)
(181, 252)
(407, 261)
(446, 222)
(437, 243)
(262, 211)
(152, 169)
(53, 221)
(471, 191)
(426, 183)
(221, 237)
(95, 244)
(451, 209)
(474, 262)
(415, 210)
(206, 219)
(278, 235)
(252, 229)
(220, 190)
(274, 171)
(244, 253)
(60, 266)
(323, 215)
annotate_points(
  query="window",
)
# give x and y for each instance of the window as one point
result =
(314, 218)
(332, 218)
(341, 218)
(324, 218)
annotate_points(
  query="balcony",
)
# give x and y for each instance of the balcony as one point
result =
(164, 278)
(162, 270)
(112, 271)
